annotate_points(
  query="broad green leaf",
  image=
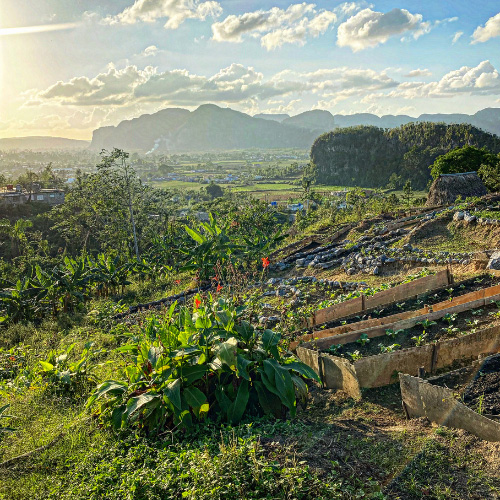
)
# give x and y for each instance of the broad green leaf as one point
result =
(173, 392)
(238, 407)
(227, 352)
(246, 330)
(110, 386)
(117, 416)
(203, 321)
(242, 365)
(271, 403)
(301, 387)
(195, 235)
(46, 366)
(303, 369)
(193, 373)
(135, 404)
(194, 397)
(284, 384)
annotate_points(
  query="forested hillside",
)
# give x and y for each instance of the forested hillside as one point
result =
(368, 156)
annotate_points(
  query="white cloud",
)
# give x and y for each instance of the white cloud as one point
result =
(279, 26)
(482, 79)
(490, 30)
(456, 37)
(369, 28)
(175, 11)
(150, 51)
(418, 72)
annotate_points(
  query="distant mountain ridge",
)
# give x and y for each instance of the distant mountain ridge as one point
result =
(42, 143)
(211, 127)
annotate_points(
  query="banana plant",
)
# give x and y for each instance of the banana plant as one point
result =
(18, 301)
(109, 274)
(212, 246)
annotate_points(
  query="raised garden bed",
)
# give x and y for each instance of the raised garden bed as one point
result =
(477, 409)
(450, 326)
(409, 299)
(382, 369)
(378, 370)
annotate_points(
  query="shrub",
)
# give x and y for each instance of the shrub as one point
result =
(207, 362)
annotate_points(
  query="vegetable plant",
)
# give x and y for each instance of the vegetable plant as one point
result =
(363, 339)
(450, 318)
(390, 348)
(420, 339)
(355, 355)
(393, 333)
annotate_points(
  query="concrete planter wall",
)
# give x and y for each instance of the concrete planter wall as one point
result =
(383, 369)
(438, 404)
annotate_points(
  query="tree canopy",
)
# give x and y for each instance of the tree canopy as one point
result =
(369, 156)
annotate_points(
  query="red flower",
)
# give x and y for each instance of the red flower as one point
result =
(177, 282)
(197, 303)
(219, 288)
(265, 262)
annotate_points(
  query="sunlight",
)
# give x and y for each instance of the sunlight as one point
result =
(25, 30)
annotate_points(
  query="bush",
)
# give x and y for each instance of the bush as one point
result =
(204, 363)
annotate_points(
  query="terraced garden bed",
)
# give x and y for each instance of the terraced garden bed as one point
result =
(468, 398)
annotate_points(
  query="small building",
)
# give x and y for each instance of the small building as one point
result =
(17, 196)
(448, 187)
(49, 196)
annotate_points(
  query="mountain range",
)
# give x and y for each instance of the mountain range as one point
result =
(42, 143)
(211, 127)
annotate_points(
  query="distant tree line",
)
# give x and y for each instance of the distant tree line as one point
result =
(368, 156)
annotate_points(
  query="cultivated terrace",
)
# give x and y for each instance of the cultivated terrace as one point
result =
(150, 355)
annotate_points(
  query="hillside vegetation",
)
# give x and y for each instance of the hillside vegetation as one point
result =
(368, 156)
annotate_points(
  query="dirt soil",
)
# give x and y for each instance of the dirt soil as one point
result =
(465, 323)
(458, 289)
(483, 393)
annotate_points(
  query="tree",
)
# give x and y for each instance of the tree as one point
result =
(214, 190)
(395, 181)
(116, 163)
(460, 160)
(407, 192)
(490, 175)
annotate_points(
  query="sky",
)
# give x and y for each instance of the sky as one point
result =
(68, 67)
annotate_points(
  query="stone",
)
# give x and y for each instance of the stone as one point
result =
(458, 216)
(494, 262)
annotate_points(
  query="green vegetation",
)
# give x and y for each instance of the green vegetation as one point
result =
(195, 396)
(341, 156)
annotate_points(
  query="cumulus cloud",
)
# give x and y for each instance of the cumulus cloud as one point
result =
(278, 26)
(111, 88)
(456, 37)
(490, 30)
(369, 28)
(482, 79)
(175, 11)
(418, 72)
(150, 51)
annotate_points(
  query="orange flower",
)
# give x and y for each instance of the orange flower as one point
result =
(219, 288)
(265, 262)
(177, 282)
(197, 303)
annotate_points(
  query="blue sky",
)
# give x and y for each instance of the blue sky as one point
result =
(68, 67)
